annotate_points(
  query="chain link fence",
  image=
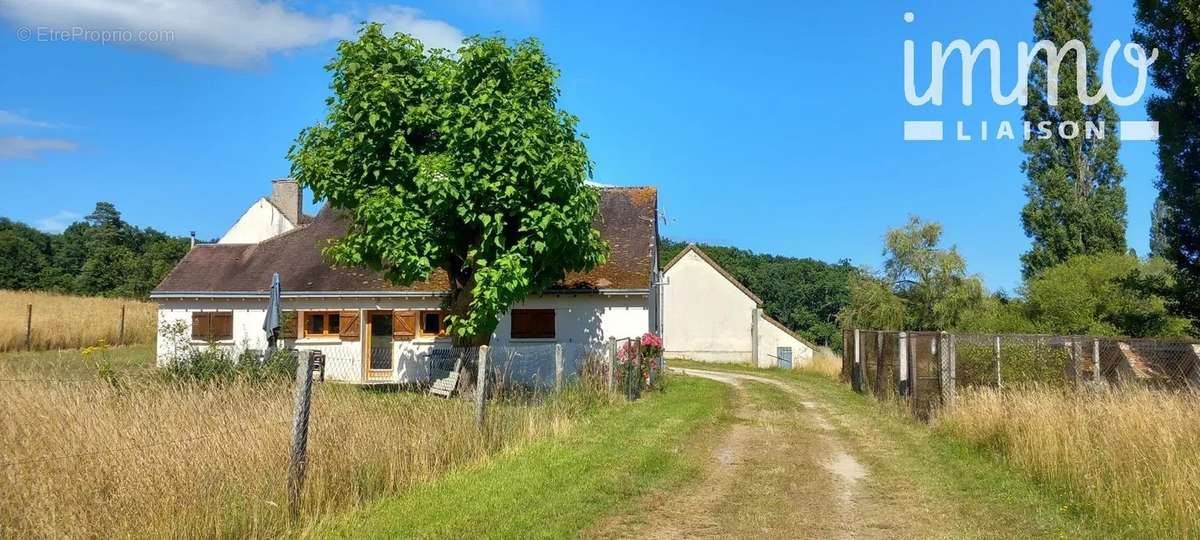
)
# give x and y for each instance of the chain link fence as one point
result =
(926, 368)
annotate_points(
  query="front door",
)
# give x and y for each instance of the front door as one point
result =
(378, 357)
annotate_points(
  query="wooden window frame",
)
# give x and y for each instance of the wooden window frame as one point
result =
(517, 314)
(330, 331)
(210, 316)
(422, 332)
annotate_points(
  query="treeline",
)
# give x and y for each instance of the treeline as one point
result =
(101, 255)
(804, 294)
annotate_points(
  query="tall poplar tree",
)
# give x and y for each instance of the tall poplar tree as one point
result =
(1076, 201)
(1173, 27)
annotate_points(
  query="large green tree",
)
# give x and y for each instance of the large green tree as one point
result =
(1173, 27)
(462, 162)
(923, 286)
(1076, 200)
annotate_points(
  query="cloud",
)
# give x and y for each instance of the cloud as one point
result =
(231, 33)
(30, 148)
(58, 222)
(9, 118)
(433, 33)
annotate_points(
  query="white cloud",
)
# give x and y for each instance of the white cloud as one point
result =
(58, 222)
(9, 118)
(30, 148)
(233, 33)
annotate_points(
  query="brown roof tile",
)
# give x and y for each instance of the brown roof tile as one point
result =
(626, 221)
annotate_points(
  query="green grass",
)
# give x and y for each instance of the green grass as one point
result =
(950, 477)
(559, 486)
(76, 364)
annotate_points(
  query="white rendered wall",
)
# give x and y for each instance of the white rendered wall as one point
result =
(705, 316)
(583, 322)
(260, 222)
(771, 337)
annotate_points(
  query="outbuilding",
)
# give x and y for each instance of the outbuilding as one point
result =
(709, 316)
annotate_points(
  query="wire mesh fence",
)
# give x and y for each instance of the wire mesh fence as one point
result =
(927, 368)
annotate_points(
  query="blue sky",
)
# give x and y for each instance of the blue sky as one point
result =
(775, 127)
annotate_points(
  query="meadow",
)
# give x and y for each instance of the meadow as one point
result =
(1130, 453)
(98, 446)
(65, 322)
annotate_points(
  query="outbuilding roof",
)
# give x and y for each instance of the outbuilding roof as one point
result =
(626, 221)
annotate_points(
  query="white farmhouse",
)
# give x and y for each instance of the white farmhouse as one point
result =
(373, 331)
(709, 316)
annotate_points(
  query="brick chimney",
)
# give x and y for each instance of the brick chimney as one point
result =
(287, 195)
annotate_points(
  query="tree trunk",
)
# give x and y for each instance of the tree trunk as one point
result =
(459, 305)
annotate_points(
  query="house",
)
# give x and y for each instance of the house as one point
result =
(269, 216)
(373, 331)
(709, 316)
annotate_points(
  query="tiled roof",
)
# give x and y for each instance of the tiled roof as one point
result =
(626, 220)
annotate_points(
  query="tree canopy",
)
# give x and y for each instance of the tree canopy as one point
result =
(1076, 200)
(1173, 27)
(462, 162)
(101, 255)
(803, 294)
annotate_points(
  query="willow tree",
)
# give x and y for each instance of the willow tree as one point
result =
(1076, 200)
(455, 161)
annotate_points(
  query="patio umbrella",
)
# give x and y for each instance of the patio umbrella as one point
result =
(271, 323)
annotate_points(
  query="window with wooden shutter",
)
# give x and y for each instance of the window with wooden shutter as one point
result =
(322, 324)
(348, 325)
(212, 326)
(404, 325)
(533, 324)
(288, 325)
(432, 324)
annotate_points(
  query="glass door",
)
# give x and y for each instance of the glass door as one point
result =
(379, 345)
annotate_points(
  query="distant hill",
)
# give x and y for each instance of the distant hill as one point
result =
(803, 294)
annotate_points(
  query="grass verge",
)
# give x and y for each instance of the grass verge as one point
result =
(558, 486)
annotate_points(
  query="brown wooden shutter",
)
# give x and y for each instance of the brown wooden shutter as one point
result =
(201, 325)
(348, 325)
(289, 325)
(222, 325)
(404, 325)
(532, 323)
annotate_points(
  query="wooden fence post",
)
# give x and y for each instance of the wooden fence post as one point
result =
(612, 364)
(1096, 360)
(996, 359)
(856, 371)
(481, 387)
(29, 327)
(558, 366)
(299, 452)
(121, 329)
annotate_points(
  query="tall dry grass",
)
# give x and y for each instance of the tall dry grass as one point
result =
(1132, 453)
(140, 457)
(67, 322)
(824, 362)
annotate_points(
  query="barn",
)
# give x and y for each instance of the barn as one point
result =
(709, 316)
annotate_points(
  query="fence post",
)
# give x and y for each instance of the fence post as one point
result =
(996, 357)
(902, 363)
(29, 327)
(121, 330)
(945, 347)
(481, 387)
(856, 371)
(612, 364)
(879, 364)
(558, 366)
(1096, 360)
(299, 432)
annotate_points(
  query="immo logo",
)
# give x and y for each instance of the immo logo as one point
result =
(933, 130)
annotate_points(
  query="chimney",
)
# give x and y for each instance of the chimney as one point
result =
(288, 197)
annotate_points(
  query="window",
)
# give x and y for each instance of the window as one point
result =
(322, 323)
(533, 324)
(212, 325)
(432, 324)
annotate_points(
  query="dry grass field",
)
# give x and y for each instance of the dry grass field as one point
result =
(1131, 453)
(133, 455)
(71, 322)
